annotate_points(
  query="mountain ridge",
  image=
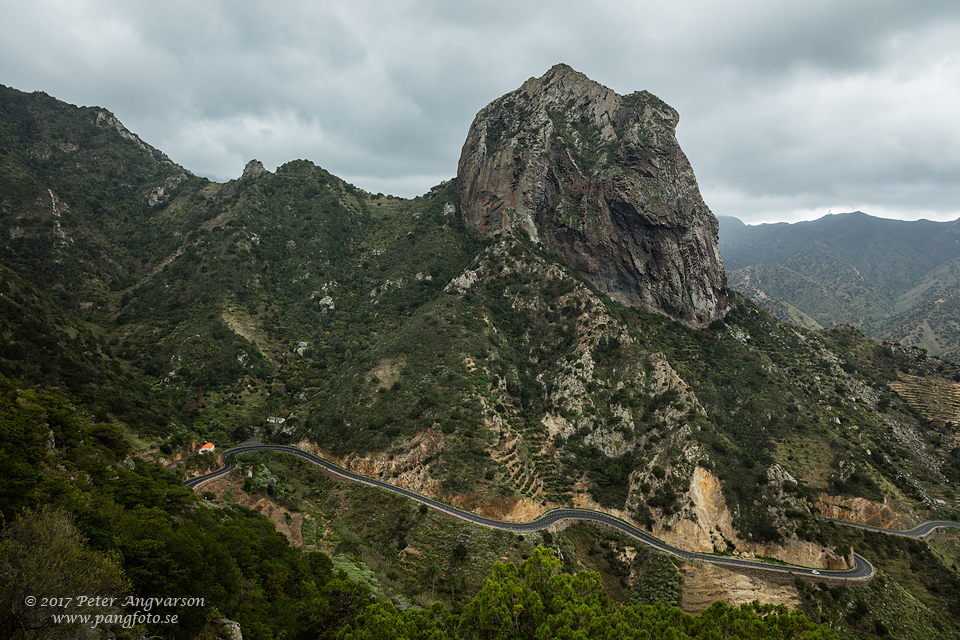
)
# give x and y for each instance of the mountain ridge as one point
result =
(883, 276)
(394, 336)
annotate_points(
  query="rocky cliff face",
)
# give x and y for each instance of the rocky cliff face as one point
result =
(599, 179)
(887, 514)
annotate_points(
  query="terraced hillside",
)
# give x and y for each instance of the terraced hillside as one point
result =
(387, 334)
(937, 400)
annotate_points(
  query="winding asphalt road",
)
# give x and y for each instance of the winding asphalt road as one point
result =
(862, 569)
(918, 531)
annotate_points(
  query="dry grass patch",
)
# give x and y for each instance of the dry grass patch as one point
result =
(245, 325)
(809, 459)
(386, 372)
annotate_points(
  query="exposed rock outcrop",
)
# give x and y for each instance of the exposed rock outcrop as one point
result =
(287, 522)
(710, 528)
(254, 169)
(599, 179)
(109, 122)
(406, 464)
(886, 514)
(220, 629)
(705, 584)
(326, 304)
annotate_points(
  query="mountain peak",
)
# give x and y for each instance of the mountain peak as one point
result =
(563, 75)
(599, 179)
(254, 169)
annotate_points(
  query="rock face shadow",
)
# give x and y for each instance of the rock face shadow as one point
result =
(600, 180)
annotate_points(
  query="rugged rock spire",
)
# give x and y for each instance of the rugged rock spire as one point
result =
(254, 169)
(599, 179)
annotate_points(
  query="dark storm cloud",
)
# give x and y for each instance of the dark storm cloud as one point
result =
(787, 111)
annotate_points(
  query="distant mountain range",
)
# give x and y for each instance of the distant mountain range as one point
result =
(892, 279)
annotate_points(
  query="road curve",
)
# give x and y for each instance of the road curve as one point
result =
(862, 568)
(918, 531)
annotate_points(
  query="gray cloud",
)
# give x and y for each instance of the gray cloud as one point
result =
(787, 111)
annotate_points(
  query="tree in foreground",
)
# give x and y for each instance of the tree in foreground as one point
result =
(537, 601)
(46, 567)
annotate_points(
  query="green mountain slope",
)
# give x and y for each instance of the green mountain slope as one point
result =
(482, 371)
(932, 323)
(88, 206)
(850, 269)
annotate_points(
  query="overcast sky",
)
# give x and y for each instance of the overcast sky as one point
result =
(787, 110)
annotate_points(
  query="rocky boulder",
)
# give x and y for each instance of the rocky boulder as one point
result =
(254, 170)
(599, 179)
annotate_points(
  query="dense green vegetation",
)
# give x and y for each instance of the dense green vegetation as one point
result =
(144, 310)
(119, 526)
(911, 565)
(125, 528)
(535, 600)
